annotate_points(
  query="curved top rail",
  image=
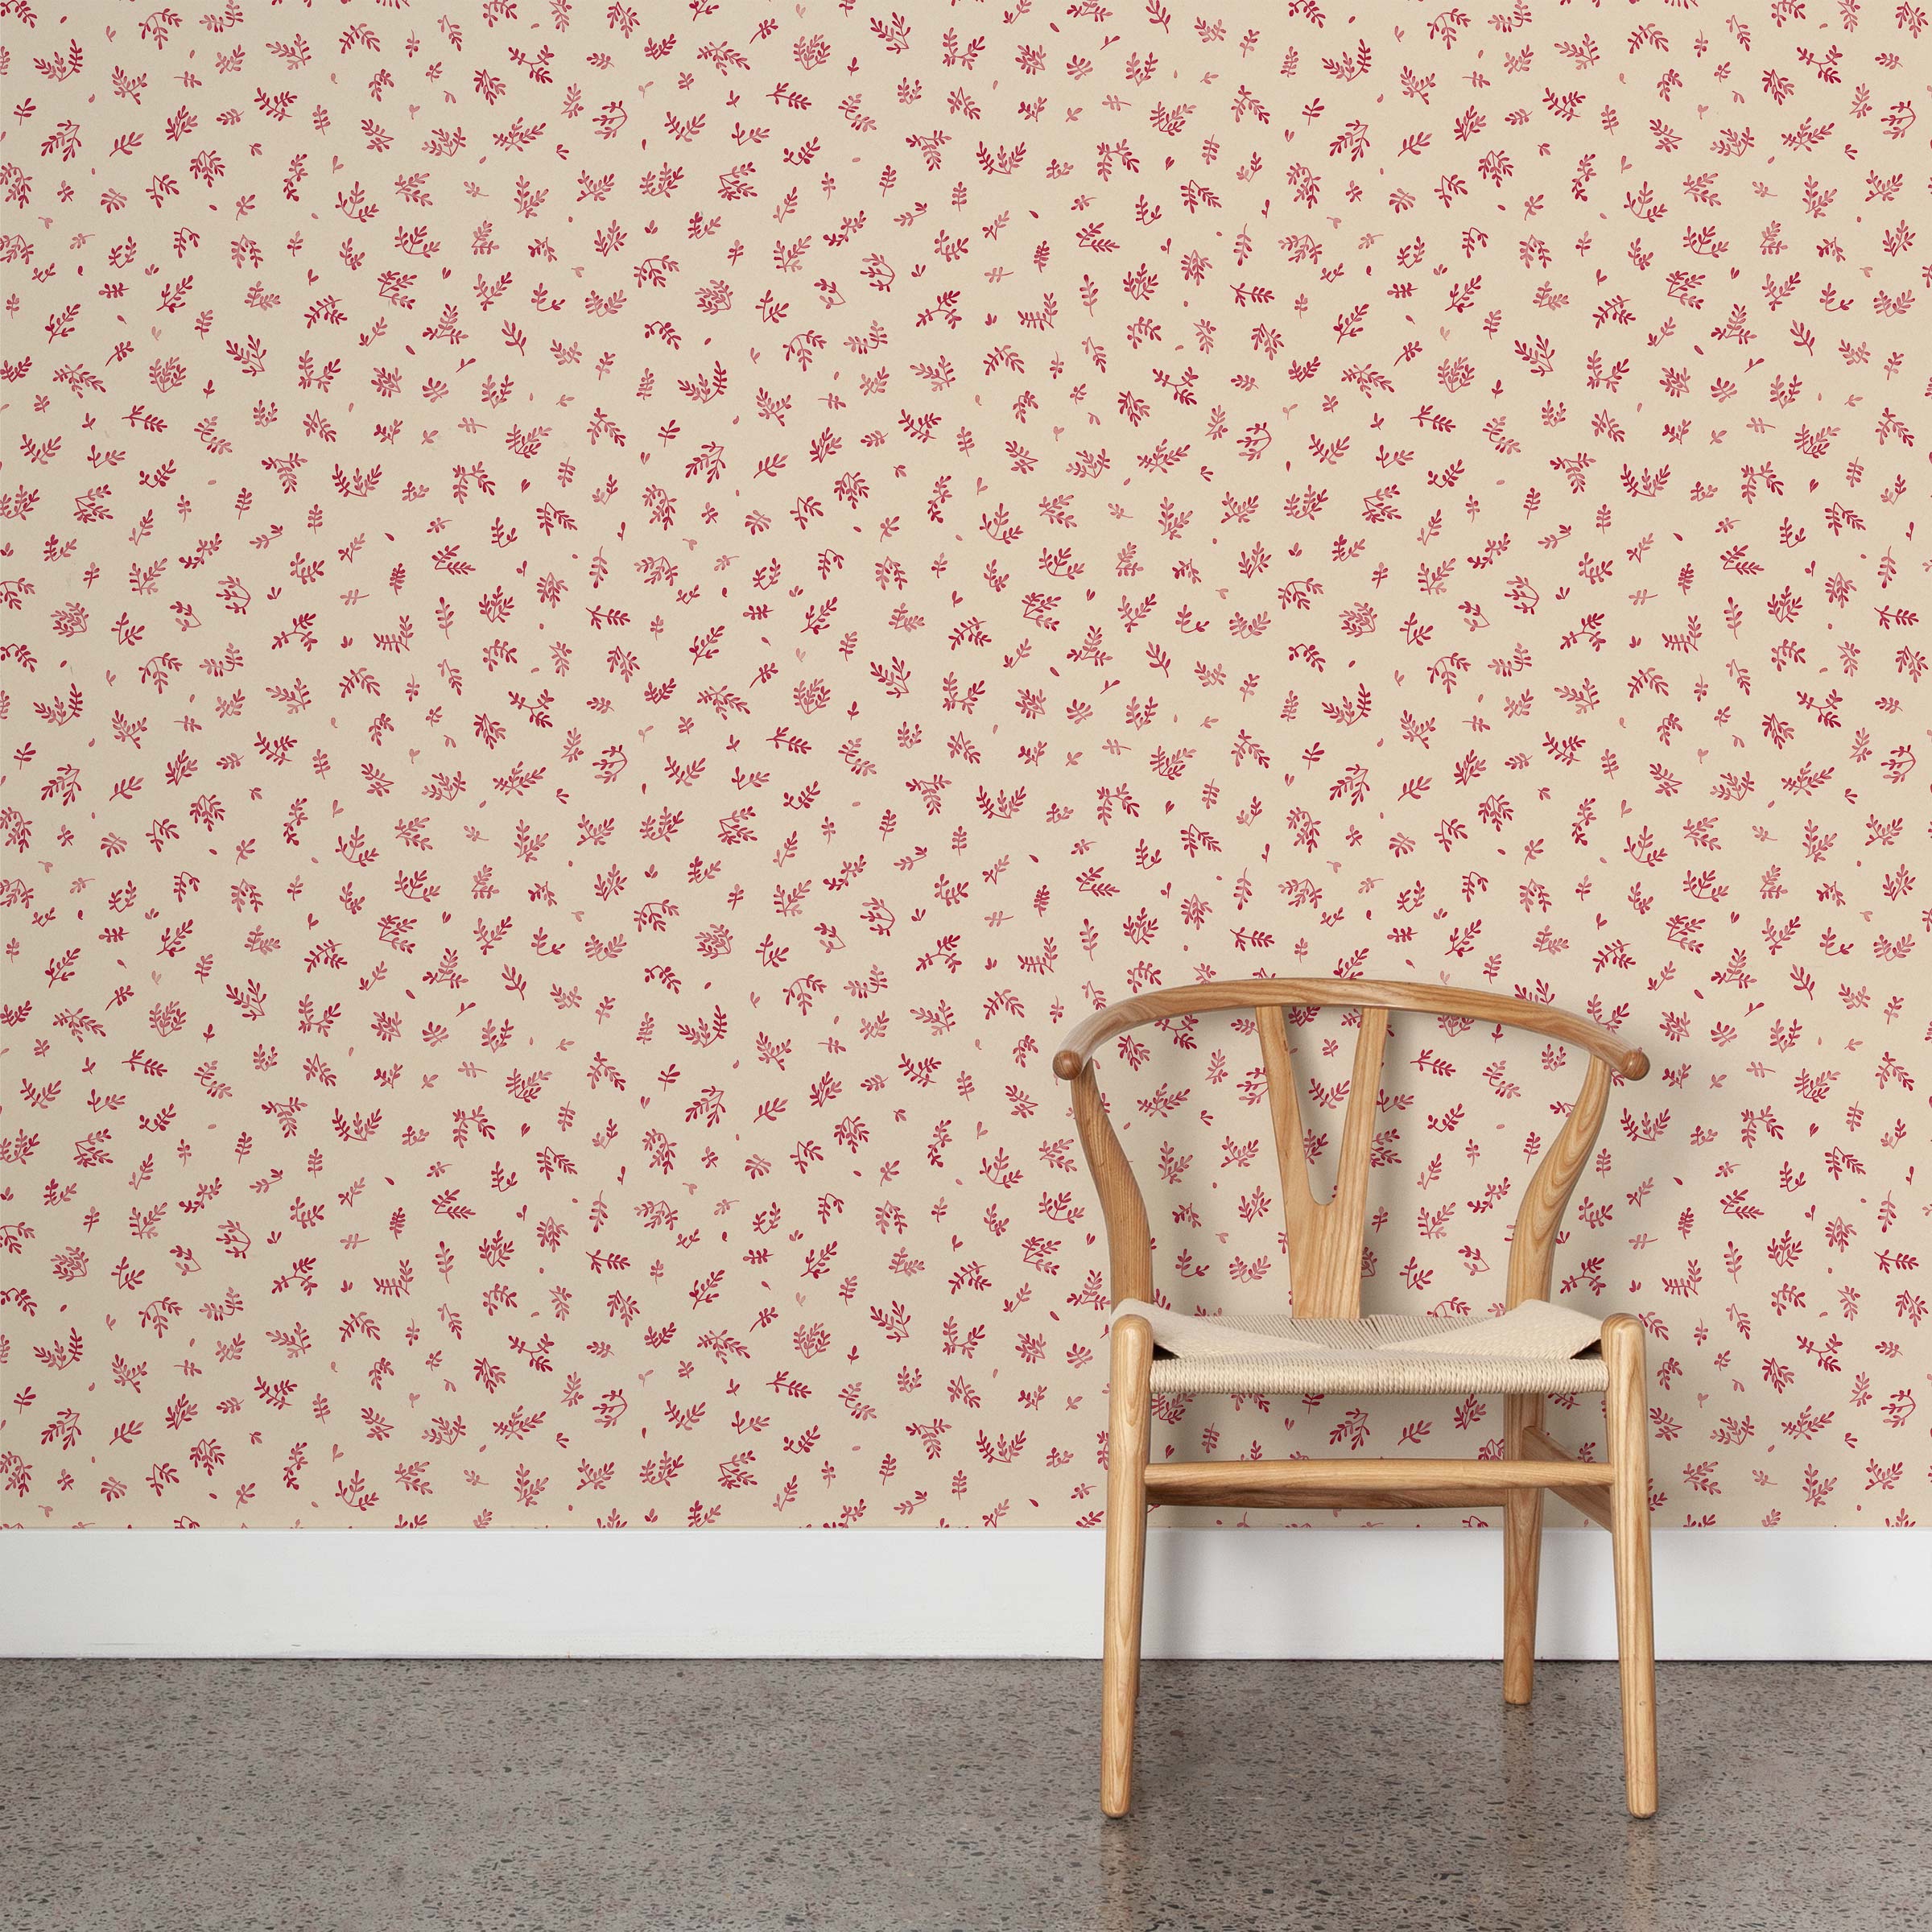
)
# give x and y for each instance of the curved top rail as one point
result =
(1403, 995)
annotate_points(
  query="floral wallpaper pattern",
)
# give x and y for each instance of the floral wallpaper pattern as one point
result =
(614, 612)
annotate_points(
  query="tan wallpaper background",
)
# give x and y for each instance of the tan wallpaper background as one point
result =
(613, 614)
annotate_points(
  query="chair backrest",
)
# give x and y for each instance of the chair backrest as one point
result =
(1325, 1237)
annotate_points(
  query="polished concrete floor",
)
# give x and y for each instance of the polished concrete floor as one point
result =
(320, 1797)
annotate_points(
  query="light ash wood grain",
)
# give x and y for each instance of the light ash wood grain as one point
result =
(1522, 1554)
(1324, 1237)
(1396, 995)
(1628, 1439)
(1277, 1485)
(1128, 1416)
(1593, 1503)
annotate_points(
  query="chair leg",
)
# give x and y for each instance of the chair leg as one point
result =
(1127, 1433)
(1625, 1417)
(1522, 1557)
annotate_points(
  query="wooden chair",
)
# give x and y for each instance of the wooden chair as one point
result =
(1324, 1258)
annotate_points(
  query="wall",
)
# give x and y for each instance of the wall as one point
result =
(614, 617)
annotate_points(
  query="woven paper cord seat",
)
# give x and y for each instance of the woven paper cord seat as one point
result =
(1356, 1358)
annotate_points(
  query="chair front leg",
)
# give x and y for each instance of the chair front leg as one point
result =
(1522, 1556)
(1127, 1436)
(1627, 1433)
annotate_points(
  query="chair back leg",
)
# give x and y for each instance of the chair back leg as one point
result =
(1522, 1555)
(1627, 1443)
(1127, 1438)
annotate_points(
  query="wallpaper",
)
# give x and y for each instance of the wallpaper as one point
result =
(615, 613)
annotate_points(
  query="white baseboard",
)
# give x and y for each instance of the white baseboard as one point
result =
(1826, 1594)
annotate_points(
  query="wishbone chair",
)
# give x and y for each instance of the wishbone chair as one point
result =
(1366, 1356)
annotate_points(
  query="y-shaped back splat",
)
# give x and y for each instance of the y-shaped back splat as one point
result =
(1324, 1237)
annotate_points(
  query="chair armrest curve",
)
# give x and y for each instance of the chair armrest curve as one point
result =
(1094, 1029)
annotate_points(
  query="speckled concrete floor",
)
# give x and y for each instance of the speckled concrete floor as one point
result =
(322, 1796)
